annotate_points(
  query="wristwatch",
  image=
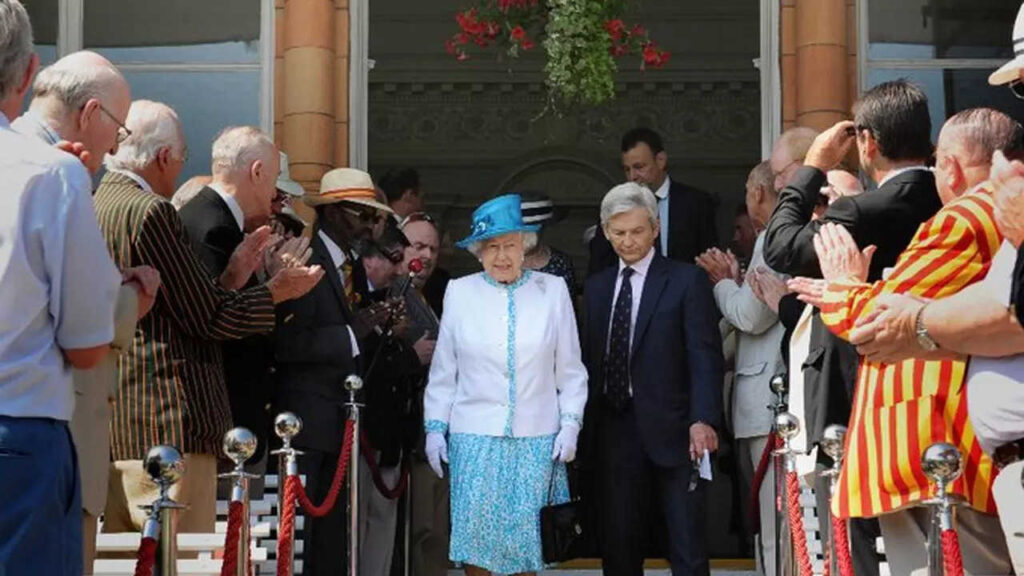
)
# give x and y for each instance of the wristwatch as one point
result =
(924, 340)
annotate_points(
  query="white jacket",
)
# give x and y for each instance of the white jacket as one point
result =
(758, 350)
(480, 384)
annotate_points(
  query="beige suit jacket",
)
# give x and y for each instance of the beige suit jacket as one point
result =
(95, 390)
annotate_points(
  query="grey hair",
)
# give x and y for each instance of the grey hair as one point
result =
(154, 126)
(529, 243)
(15, 45)
(982, 131)
(237, 147)
(74, 85)
(626, 197)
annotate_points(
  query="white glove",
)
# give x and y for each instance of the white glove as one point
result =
(437, 451)
(565, 443)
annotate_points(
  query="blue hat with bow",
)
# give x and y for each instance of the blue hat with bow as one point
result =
(497, 216)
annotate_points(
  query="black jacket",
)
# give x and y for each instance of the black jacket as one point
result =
(887, 218)
(248, 363)
(691, 229)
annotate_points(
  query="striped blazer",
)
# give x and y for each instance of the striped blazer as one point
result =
(171, 386)
(900, 409)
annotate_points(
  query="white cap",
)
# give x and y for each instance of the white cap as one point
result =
(284, 180)
(1011, 70)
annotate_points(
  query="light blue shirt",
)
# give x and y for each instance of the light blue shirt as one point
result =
(662, 195)
(58, 284)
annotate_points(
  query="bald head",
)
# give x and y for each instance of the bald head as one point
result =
(963, 155)
(788, 153)
(245, 165)
(843, 183)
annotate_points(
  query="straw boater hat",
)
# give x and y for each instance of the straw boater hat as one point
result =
(346, 185)
(284, 180)
(1011, 70)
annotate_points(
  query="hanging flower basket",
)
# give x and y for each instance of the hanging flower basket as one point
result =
(583, 40)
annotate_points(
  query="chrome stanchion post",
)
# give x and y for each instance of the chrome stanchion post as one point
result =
(779, 388)
(787, 426)
(165, 466)
(832, 442)
(287, 426)
(942, 463)
(239, 445)
(353, 384)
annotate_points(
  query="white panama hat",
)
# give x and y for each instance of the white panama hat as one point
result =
(1011, 70)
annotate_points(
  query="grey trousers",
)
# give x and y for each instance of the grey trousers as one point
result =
(430, 521)
(378, 520)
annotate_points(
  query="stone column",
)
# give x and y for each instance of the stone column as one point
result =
(341, 80)
(787, 66)
(279, 28)
(822, 95)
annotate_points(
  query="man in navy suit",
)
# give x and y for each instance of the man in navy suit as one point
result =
(654, 355)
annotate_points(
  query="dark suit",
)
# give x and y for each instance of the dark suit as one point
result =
(691, 229)
(248, 363)
(1017, 294)
(887, 218)
(643, 450)
(314, 355)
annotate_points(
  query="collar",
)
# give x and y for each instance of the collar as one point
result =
(233, 206)
(899, 171)
(49, 134)
(662, 191)
(338, 256)
(524, 275)
(4, 122)
(641, 266)
(138, 179)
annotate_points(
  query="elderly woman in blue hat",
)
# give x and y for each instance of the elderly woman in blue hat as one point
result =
(505, 396)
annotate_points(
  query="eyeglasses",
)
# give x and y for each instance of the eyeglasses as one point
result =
(366, 216)
(1017, 87)
(122, 131)
(416, 217)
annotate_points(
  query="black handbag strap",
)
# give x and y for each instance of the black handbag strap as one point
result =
(551, 483)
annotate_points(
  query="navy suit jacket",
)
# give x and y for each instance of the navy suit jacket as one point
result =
(676, 365)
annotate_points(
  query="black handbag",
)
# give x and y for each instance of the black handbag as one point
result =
(561, 529)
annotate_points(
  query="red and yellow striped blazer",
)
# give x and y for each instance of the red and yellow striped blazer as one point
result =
(900, 409)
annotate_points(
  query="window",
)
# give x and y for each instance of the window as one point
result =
(948, 47)
(210, 61)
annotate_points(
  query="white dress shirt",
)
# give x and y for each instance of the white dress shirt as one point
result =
(995, 386)
(662, 195)
(636, 282)
(484, 382)
(136, 178)
(58, 284)
(233, 206)
(338, 258)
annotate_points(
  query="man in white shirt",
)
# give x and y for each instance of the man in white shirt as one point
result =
(57, 290)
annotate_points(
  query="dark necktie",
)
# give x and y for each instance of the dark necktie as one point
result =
(616, 366)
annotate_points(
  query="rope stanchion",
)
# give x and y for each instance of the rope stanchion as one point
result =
(230, 565)
(796, 525)
(841, 537)
(339, 474)
(145, 559)
(286, 528)
(952, 558)
(378, 480)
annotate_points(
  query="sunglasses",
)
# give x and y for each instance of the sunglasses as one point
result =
(1017, 87)
(366, 216)
(416, 217)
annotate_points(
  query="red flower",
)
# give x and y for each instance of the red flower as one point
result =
(651, 54)
(461, 38)
(663, 59)
(468, 22)
(449, 46)
(619, 50)
(615, 28)
(492, 29)
(638, 30)
(517, 34)
(528, 45)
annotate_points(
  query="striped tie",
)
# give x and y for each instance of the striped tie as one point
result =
(349, 283)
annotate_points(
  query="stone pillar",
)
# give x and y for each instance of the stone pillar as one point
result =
(787, 67)
(822, 94)
(852, 75)
(341, 80)
(279, 73)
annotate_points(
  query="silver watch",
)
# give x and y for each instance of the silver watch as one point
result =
(924, 340)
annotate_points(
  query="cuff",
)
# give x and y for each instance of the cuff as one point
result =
(572, 419)
(435, 426)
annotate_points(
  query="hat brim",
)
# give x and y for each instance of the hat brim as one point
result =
(291, 187)
(557, 214)
(1007, 72)
(470, 240)
(318, 200)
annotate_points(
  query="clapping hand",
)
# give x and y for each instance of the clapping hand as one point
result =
(720, 265)
(839, 256)
(246, 258)
(147, 279)
(889, 332)
(809, 290)
(1008, 179)
(767, 286)
(292, 253)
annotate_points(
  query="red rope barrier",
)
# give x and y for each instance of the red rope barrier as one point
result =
(841, 536)
(763, 464)
(339, 474)
(285, 529)
(378, 480)
(230, 565)
(796, 525)
(952, 559)
(145, 559)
